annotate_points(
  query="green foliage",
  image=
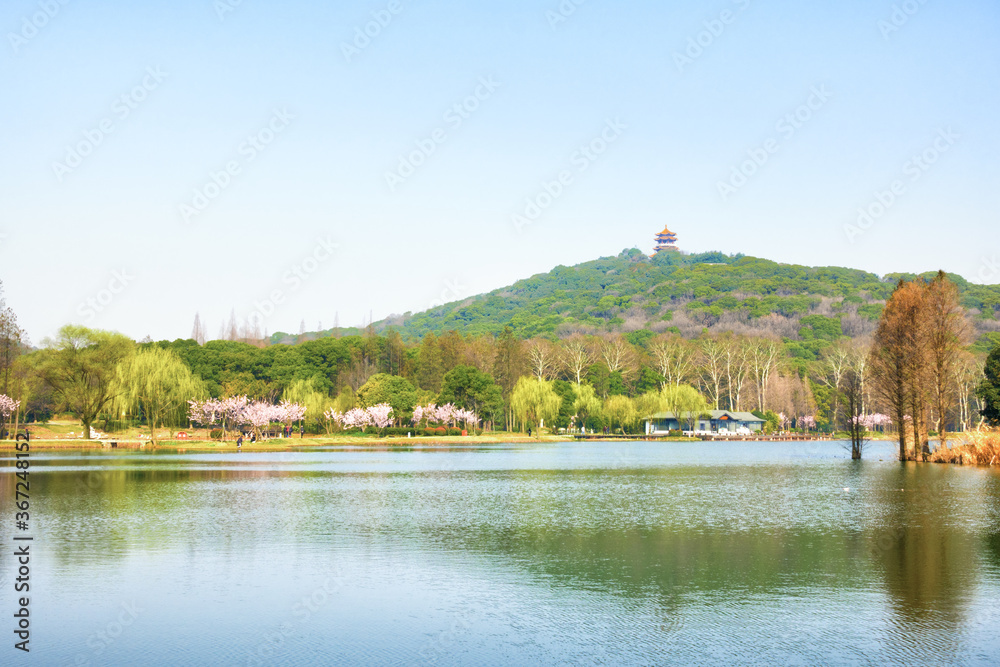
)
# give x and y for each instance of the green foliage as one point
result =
(597, 292)
(567, 397)
(987, 342)
(639, 338)
(156, 383)
(820, 327)
(620, 411)
(989, 388)
(82, 367)
(685, 402)
(772, 422)
(871, 311)
(586, 405)
(391, 389)
(533, 400)
(471, 389)
(306, 392)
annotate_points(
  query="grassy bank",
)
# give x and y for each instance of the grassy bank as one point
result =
(127, 441)
(285, 444)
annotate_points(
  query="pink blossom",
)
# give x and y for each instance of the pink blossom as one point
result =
(293, 412)
(380, 415)
(356, 418)
(873, 421)
(8, 406)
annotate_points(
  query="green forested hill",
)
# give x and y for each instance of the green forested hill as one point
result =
(685, 293)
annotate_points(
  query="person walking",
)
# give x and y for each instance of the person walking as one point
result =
(239, 441)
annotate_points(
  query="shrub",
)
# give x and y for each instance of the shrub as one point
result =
(440, 430)
(429, 431)
(454, 431)
(215, 434)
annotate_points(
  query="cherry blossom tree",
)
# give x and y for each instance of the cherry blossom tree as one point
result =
(8, 406)
(356, 418)
(380, 416)
(333, 417)
(237, 411)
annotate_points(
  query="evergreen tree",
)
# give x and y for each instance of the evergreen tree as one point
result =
(989, 388)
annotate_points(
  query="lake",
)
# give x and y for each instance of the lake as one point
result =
(623, 553)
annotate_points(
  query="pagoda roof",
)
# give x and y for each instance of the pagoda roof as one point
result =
(666, 230)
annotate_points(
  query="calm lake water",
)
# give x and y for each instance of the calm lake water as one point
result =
(597, 553)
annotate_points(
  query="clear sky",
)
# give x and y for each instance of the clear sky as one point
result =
(162, 158)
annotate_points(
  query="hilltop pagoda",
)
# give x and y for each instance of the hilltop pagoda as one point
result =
(665, 240)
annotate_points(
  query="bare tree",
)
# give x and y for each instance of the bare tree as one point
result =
(618, 355)
(852, 397)
(541, 358)
(712, 364)
(836, 364)
(898, 361)
(947, 334)
(479, 352)
(969, 373)
(576, 357)
(198, 330)
(764, 356)
(859, 364)
(11, 344)
(673, 357)
(737, 358)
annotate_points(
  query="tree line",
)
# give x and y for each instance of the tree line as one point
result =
(590, 380)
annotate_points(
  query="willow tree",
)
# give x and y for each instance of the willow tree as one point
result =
(585, 403)
(155, 382)
(306, 393)
(620, 411)
(81, 365)
(533, 401)
(684, 400)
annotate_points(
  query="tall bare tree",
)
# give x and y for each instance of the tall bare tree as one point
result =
(737, 358)
(198, 330)
(969, 373)
(712, 363)
(764, 356)
(576, 357)
(836, 363)
(673, 357)
(947, 335)
(541, 358)
(618, 355)
(899, 362)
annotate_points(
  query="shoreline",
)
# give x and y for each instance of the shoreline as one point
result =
(299, 444)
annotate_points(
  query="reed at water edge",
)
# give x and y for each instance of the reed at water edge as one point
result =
(981, 448)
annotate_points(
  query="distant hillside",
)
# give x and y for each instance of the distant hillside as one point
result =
(686, 294)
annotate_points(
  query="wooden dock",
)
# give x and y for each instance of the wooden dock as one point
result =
(714, 437)
(123, 444)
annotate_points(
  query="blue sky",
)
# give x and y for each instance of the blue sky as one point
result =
(166, 158)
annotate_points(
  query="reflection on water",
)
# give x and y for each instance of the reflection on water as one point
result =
(598, 553)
